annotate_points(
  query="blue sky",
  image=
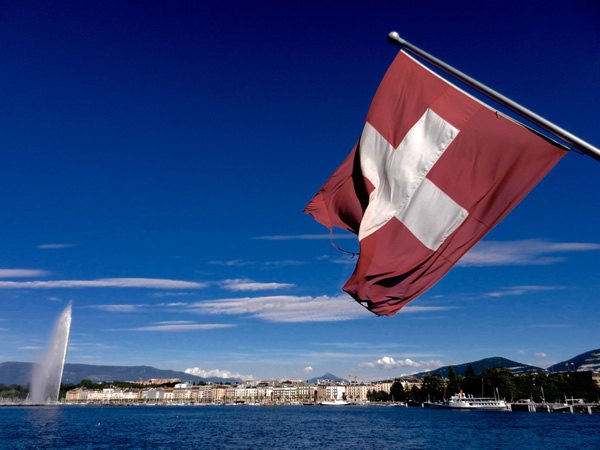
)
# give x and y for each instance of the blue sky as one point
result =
(156, 159)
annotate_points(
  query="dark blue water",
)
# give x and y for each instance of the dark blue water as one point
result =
(246, 427)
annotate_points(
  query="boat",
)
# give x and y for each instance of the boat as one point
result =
(334, 403)
(462, 401)
(468, 402)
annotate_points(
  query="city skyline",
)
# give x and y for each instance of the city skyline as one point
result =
(158, 159)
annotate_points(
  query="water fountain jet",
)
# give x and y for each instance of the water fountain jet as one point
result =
(47, 374)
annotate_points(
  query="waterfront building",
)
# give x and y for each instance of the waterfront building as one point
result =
(385, 386)
(357, 392)
(107, 395)
(218, 393)
(182, 393)
(335, 392)
(168, 395)
(285, 394)
(246, 394)
(129, 395)
(76, 395)
(94, 395)
(205, 393)
(306, 392)
(250, 392)
(409, 382)
(153, 394)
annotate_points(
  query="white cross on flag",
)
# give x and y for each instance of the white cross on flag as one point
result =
(434, 170)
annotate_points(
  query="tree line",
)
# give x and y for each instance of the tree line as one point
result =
(553, 387)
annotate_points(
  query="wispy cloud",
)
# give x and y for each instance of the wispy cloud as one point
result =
(515, 291)
(22, 273)
(550, 326)
(242, 284)
(182, 326)
(541, 354)
(525, 252)
(276, 264)
(216, 373)
(54, 246)
(307, 370)
(286, 308)
(126, 308)
(31, 347)
(389, 362)
(172, 294)
(340, 258)
(304, 237)
(148, 283)
(83, 346)
(232, 263)
(292, 308)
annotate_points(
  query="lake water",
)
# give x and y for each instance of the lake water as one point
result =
(290, 427)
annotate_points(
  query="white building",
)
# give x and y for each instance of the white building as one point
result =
(335, 392)
(153, 394)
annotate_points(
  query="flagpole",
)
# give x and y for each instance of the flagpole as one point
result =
(546, 125)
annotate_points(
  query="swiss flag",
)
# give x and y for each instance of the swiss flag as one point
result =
(433, 172)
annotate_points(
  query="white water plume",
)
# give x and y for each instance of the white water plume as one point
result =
(47, 374)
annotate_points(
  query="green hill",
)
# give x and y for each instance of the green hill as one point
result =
(482, 364)
(588, 361)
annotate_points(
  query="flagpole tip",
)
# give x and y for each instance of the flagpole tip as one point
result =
(395, 38)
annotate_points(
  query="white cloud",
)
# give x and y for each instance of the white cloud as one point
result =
(187, 326)
(172, 294)
(550, 325)
(242, 284)
(341, 258)
(118, 308)
(388, 362)
(55, 246)
(525, 252)
(308, 370)
(282, 263)
(292, 308)
(149, 283)
(304, 237)
(541, 354)
(232, 263)
(286, 308)
(516, 291)
(263, 264)
(216, 373)
(22, 273)
(30, 347)
(83, 346)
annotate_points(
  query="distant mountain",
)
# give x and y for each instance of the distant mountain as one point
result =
(327, 376)
(580, 363)
(481, 365)
(20, 373)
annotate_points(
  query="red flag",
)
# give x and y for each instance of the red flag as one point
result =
(433, 172)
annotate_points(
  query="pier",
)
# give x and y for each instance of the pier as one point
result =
(571, 406)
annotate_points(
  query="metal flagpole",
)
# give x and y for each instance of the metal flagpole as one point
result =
(550, 127)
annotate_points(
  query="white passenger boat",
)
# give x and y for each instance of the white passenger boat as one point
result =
(334, 403)
(462, 401)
